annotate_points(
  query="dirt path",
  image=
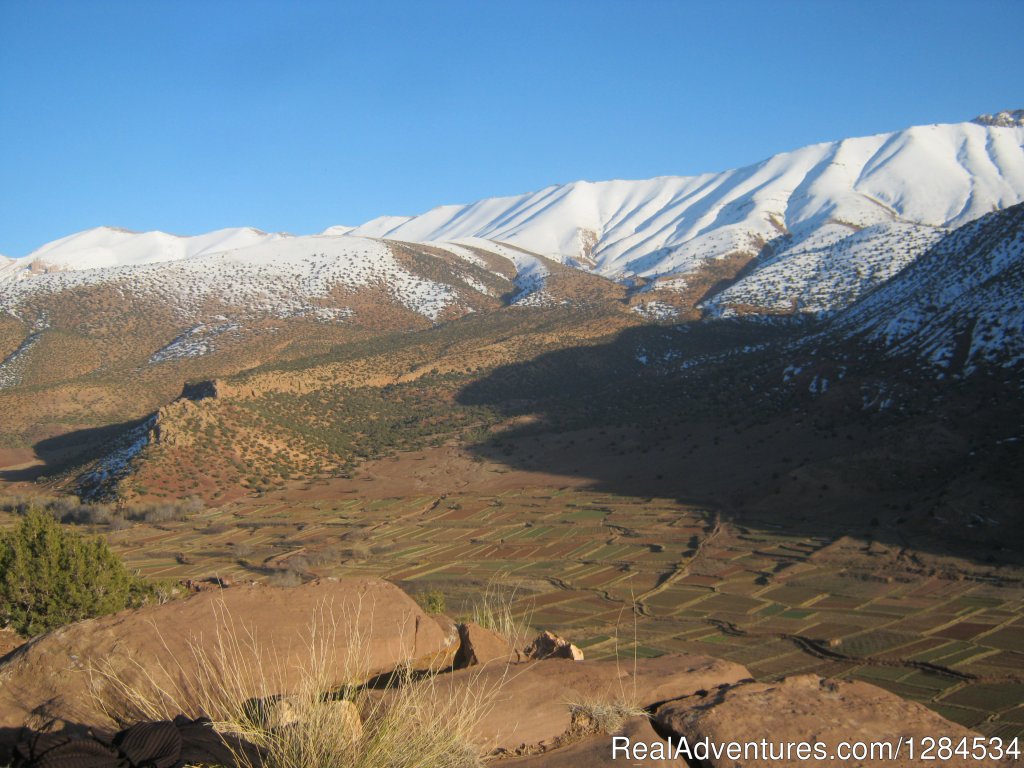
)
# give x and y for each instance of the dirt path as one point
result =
(683, 568)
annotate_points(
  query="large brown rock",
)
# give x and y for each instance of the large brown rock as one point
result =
(811, 710)
(529, 703)
(452, 641)
(363, 627)
(478, 645)
(597, 751)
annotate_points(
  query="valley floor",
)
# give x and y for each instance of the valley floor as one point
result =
(629, 573)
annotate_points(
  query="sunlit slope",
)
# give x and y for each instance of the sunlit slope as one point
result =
(828, 221)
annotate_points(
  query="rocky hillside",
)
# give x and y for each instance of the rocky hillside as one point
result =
(959, 306)
(852, 256)
(318, 416)
(115, 340)
(890, 355)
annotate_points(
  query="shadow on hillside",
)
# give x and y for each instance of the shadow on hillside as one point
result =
(68, 450)
(649, 414)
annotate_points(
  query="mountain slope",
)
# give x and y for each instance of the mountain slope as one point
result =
(105, 326)
(958, 306)
(843, 417)
(84, 345)
(877, 196)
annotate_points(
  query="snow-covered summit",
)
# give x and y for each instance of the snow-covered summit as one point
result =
(934, 176)
(113, 247)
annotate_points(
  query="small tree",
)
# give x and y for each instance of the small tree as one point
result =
(50, 576)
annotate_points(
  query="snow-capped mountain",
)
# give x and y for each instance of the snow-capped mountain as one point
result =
(908, 243)
(805, 231)
(245, 269)
(110, 247)
(828, 221)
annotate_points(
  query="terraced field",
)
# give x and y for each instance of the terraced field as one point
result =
(622, 575)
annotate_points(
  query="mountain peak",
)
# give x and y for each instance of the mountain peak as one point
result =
(1008, 118)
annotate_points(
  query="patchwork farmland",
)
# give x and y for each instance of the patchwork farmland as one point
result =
(623, 575)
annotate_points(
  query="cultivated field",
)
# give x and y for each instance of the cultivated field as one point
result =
(623, 574)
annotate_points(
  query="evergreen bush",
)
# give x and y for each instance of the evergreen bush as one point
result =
(50, 576)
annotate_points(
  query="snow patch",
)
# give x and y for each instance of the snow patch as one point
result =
(195, 342)
(656, 310)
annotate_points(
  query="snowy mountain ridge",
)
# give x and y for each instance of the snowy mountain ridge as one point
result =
(806, 231)
(919, 182)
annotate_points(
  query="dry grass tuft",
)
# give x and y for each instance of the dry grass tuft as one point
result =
(493, 611)
(609, 714)
(603, 716)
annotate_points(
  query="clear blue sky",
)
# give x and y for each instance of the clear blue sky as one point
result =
(188, 116)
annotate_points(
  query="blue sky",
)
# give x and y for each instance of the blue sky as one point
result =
(193, 115)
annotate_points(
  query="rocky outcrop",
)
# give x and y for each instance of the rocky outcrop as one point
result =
(548, 645)
(807, 709)
(200, 390)
(191, 403)
(479, 645)
(1008, 118)
(362, 627)
(531, 703)
(215, 389)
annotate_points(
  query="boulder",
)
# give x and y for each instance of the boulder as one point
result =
(478, 645)
(548, 645)
(596, 751)
(812, 710)
(452, 642)
(529, 703)
(256, 638)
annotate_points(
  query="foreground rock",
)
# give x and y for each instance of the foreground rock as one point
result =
(808, 709)
(478, 645)
(365, 627)
(529, 704)
(597, 751)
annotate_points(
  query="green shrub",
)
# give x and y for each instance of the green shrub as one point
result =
(50, 576)
(433, 601)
